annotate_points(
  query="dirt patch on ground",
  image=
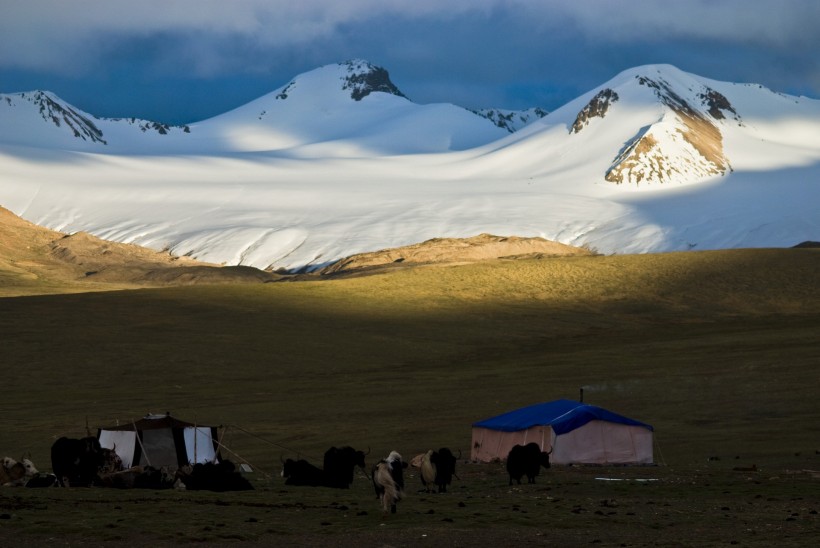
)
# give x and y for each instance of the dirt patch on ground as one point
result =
(448, 251)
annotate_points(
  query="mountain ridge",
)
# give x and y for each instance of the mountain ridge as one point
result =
(655, 159)
(356, 80)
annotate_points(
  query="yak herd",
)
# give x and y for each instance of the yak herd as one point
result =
(84, 463)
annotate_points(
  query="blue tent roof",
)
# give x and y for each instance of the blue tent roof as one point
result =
(562, 415)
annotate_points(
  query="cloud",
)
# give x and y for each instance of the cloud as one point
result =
(56, 35)
(477, 53)
(770, 22)
(64, 36)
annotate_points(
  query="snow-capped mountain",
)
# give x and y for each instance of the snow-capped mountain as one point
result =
(41, 119)
(346, 109)
(337, 161)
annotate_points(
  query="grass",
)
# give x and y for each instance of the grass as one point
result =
(718, 350)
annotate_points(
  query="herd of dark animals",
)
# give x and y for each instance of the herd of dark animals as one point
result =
(339, 466)
(84, 463)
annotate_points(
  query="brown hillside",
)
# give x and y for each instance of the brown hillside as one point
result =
(448, 251)
(38, 260)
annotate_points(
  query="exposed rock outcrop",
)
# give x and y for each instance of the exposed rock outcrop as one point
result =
(364, 78)
(511, 120)
(596, 108)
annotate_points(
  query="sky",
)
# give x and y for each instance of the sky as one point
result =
(181, 61)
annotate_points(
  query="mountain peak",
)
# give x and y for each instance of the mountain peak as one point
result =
(681, 135)
(364, 78)
(358, 77)
(61, 114)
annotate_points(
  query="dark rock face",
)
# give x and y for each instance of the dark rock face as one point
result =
(510, 120)
(667, 96)
(148, 126)
(364, 79)
(717, 103)
(284, 93)
(597, 107)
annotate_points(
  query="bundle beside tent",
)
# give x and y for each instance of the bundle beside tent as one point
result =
(160, 440)
(576, 433)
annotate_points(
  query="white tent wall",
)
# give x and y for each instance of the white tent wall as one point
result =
(488, 445)
(123, 442)
(160, 447)
(199, 445)
(597, 442)
(601, 442)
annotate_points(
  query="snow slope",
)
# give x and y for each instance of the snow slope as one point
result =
(338, 162)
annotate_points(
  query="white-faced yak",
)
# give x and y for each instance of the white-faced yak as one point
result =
(388, 481)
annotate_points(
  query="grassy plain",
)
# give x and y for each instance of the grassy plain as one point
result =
(718, 350)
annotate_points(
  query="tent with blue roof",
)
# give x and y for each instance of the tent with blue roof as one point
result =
(575, 432)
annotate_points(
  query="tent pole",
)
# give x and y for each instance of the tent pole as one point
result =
(221, 437)
(196, 435)
(243, 459)
(142, 447)
(658, 445)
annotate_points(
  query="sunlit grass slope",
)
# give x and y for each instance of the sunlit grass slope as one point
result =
(718, 350)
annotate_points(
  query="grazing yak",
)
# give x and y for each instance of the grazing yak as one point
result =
(301, 472)
(339, 465)
(445, 468)
(438, 468)
(220, 477)
(15, 474)
(428, 470)
(79, 462)
(526, 460)
(388, 481)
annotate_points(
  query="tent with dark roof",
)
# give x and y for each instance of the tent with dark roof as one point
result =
(575, 432)
(160, 440)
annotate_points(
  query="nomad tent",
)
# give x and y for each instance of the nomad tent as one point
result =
(160, 440)
(576, 433)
